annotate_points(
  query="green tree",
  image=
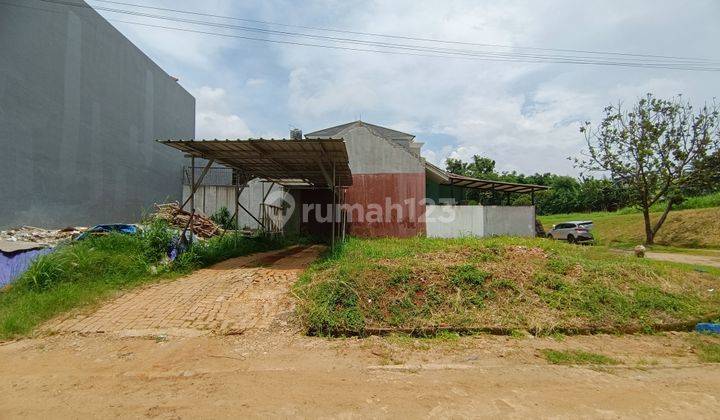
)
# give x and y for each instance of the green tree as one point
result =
(652, 148)
(708, 179)
(456, 166)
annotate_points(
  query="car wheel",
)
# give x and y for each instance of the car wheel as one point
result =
(571, 239)
(549, 236)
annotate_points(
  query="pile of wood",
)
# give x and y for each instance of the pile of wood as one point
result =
(202, 225)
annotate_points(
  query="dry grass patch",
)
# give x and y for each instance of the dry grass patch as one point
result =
(496, 283)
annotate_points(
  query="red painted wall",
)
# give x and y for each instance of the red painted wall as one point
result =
(381, 189)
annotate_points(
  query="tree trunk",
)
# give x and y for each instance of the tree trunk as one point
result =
(662, 218)
(649, 235)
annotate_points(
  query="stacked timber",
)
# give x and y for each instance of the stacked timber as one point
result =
(202, 225)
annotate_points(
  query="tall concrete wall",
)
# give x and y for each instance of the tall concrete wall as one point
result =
(481, 221)
(454, 221)
(509, 221)
(80, 108)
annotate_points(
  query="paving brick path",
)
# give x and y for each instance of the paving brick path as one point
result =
(230, 297)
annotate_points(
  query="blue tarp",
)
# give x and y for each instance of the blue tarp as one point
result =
(708, 327)
(13, 264)
(118, 227)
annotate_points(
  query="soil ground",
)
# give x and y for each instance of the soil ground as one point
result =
(707, 260)
(263, 366)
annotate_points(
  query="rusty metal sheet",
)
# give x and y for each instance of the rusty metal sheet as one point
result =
(404, 191)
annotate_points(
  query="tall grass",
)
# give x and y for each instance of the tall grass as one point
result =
(700, 202)
(496, 283)
(84, 272)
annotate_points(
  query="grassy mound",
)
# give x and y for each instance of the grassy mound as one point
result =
(87, 271)
(497, 283)
(698, 228)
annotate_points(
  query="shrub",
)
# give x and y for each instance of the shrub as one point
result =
(223, 218)
(157, 238)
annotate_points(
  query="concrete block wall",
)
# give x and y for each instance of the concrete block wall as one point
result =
(480, 221)
(509, 221)
(454, 221)
(80, 109)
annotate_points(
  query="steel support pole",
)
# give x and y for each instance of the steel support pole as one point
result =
(343, 218)
(333, 207)
(237, 200)
(192, 184)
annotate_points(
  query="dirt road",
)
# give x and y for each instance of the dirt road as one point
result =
(268, 369)
(707, 260)
(283, 375)
(710, 258)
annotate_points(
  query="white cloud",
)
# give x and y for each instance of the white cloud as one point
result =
(253, 82)
(213, 118)
(525, 116)
(173, 49)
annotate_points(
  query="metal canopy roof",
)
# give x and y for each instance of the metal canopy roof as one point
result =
(447, 178)
(485, 184)
(276, 159)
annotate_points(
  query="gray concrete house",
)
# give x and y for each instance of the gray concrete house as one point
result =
(80, 108)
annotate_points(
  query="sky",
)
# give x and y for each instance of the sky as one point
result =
(525, 116)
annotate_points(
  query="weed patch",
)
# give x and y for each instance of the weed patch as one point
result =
(497, 283)
(576, 357)
(707, 347)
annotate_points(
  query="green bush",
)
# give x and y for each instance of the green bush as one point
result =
(157, 238)
(223, 218)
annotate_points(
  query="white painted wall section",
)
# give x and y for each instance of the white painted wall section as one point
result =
(210, 198)
(454, 221)
(480, 221)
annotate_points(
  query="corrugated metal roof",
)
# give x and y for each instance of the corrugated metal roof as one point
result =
(276, 159)
(481, 184)
(486, 184)
(385, 132)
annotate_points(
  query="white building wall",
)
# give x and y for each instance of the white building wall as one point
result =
(454, 221)
(211, 198)
(509, 221)
(481, 221)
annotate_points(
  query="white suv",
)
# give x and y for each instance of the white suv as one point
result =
(572, 232)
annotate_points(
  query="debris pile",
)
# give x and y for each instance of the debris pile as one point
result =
(48, 237)
(202, 225)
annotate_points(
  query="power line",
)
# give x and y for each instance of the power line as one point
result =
(315, 28)
(569, 59)
(558, 59)
(380, 51)
(402, 48)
